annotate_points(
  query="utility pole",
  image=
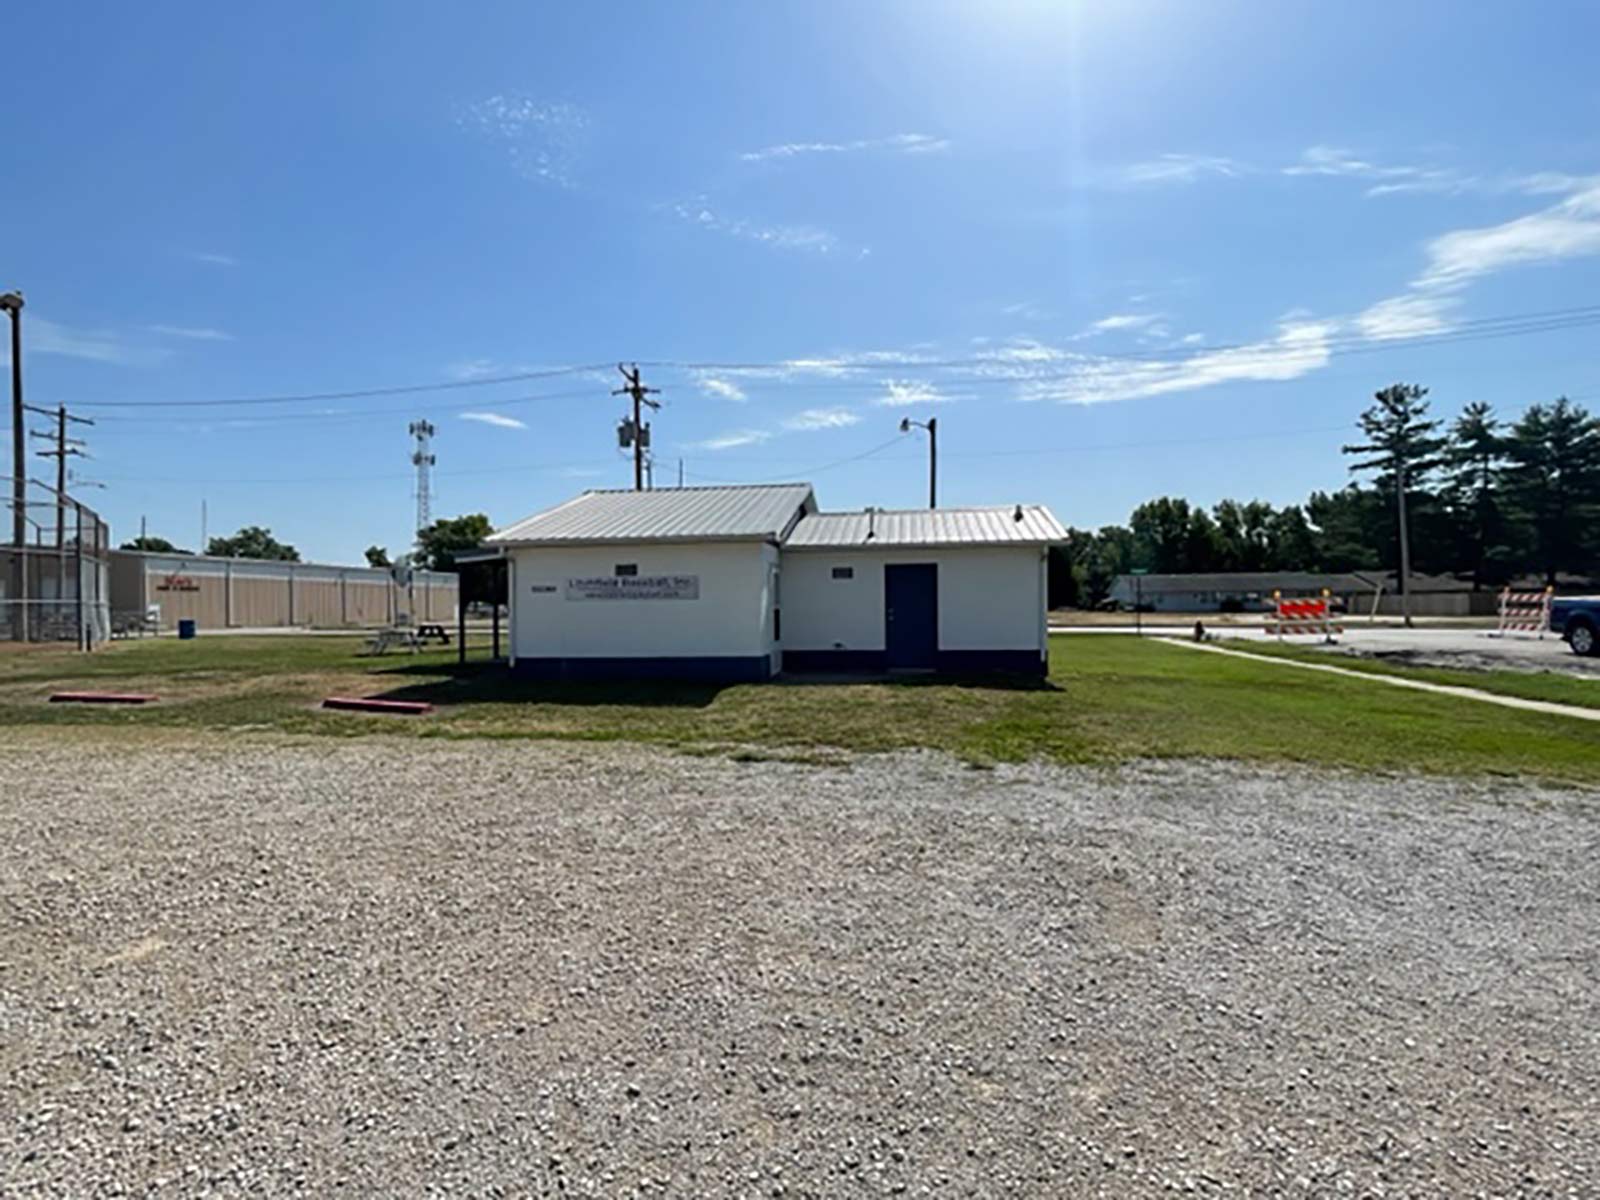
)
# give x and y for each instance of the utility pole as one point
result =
(1401, 439)
(1405, 542)
(932, 426)
(65, 448)
(635, 432)
(12, 303)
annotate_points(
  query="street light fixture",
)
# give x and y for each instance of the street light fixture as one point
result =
(932, 426)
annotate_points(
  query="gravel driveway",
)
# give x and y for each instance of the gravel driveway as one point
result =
(510, 969)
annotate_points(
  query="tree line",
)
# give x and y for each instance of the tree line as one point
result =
(436, 549)
(1486, 499)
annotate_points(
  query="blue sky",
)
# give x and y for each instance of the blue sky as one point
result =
(1167, 247)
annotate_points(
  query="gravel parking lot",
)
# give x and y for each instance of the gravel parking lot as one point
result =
(512, 969)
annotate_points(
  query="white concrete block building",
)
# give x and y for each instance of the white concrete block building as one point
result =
(740, 583)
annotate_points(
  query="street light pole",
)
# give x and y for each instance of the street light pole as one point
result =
(12, 303)
(932, 426)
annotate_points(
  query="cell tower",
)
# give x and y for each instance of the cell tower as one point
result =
(422, 458)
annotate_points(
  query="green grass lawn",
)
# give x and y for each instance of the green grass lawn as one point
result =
(1108, 699)
(1528, 685)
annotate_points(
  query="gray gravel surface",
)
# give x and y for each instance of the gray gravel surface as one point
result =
(500, 969)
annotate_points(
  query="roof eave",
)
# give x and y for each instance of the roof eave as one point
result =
(673, 539)
(1012, 544)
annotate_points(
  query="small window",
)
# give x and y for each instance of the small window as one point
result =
(627, 569)
(844, 572)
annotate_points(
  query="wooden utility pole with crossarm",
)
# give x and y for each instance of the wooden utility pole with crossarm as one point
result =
(635, 432)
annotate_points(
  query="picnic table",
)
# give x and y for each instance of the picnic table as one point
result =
(410, 637)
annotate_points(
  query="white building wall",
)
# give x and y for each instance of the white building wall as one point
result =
(731, 617)
(990, 598)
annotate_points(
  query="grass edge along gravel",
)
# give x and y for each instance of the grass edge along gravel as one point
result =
(1547, 685)
(1109, 700)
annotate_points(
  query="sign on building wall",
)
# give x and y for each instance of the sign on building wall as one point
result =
(177, 583)
(635, 587)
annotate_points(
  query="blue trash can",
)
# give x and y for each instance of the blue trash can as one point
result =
(186, 628)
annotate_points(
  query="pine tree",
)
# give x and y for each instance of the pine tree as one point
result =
(1475, 460)
(1553, 484)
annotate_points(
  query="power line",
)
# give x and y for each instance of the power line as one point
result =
(347, 416)
(1534, 322)
(357, 394)
(894, 441)
(1014, 368)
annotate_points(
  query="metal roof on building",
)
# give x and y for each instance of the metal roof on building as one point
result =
(694, 514)
(1008, 525)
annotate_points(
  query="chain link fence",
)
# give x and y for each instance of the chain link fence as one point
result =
(55, 569)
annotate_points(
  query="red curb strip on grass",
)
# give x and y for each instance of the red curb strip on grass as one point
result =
(410, 708)
(101, 698)
(1416, 685)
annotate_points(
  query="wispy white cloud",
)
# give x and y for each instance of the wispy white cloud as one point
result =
(1027, 310)
(1191, 339)
(1386, 178)
(1412, 314)
(1299, 347)
(722, 389)
(900, 143)
(44, 336)
(192, 333)
(1569, 229)
(1117, 322)
(905, 393)
(1180, 168)
(822, 418)
(732, 440)
(211, 259)
(1565, 230)
(475, 368)
(498, 420)
(801, 238)
(543, 140)
(1335, 162)
(1020, 351)
(1550, 183)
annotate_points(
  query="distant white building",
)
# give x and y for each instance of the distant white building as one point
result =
(741, 583)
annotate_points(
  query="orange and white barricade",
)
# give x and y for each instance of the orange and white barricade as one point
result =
(1524, 612)
(1301, 617)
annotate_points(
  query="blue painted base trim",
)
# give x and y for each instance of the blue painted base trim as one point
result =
(992, 662)
(948, 662)
(720, 669)
(835, 662)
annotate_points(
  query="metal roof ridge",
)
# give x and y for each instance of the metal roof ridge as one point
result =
(694, 487)
(861, 512)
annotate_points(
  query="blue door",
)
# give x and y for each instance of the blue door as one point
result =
(911, 615)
